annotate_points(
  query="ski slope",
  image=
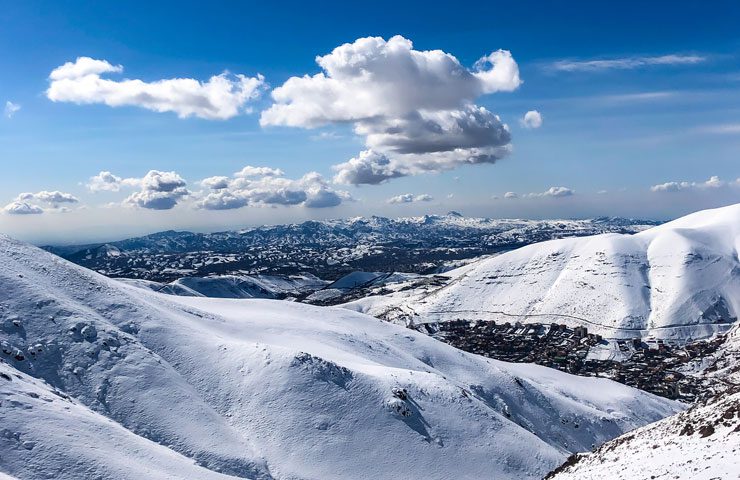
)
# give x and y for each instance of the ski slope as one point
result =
(679, 280)
(100, 379)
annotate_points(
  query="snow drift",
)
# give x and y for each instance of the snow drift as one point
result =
(100, 379)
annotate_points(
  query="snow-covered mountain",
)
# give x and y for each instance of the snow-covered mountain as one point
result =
(678, 280)
(100, 379)
(328, 249)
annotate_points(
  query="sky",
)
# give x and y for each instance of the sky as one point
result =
(135, 117)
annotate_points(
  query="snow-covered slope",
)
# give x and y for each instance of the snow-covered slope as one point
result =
(702, 443)
(182, 387)
(678, 280)
(235, 286)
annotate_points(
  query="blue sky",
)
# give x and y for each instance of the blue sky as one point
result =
(631, 96)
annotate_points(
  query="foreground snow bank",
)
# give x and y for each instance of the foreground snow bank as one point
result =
(702, 443)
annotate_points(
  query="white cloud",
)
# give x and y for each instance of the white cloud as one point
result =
(326, 136)
(415, 109)
(215, 183)
(221, 97)
(221, 200)
(159, 191)
(260, 186)
(264, 186)
(83, 67)
(29, 203)
(369, 167)
(250, 171)
(625, 63)
(410, 198)
(22, 208)
(531, 119)
(713, 182)
(11, 109)
(556, 192)
(52, 198)
(107, 182)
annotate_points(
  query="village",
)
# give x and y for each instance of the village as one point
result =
(653, 365)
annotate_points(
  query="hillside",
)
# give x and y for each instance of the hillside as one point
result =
(157, 386)
(702, 443)
(679, 280)
(235, 286)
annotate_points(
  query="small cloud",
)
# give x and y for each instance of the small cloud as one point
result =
(532, 119)
(410, 198)
(159, 191)
(107, 182)
(11, 109)
(713, 182)
(29, 203)
(22, 208)
(215, 183)
(511, 195)
(722, 129)
(556, 192)
(326, 136)
(368, 168)
(52, 198)
(636, 97)
(625, 63)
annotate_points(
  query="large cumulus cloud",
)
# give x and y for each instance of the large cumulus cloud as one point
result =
(415, 109)
(221, 97)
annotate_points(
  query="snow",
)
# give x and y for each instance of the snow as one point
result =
(680, 280)
(702, 443)
(57, 437)
(186, 387)
(234, 286)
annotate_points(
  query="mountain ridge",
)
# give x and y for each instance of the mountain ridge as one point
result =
(677, 280)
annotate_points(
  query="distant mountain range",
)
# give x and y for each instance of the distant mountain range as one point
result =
(329, 249)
